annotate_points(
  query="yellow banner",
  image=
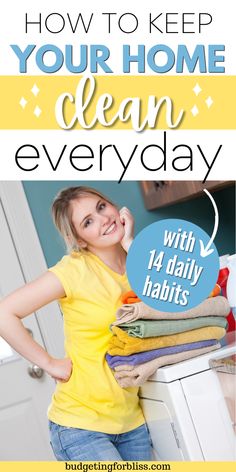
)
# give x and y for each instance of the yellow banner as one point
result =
(117, 102)
(117, 466)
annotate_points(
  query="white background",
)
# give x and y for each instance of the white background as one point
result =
(112, 167)
(221, 31)
(12, 26)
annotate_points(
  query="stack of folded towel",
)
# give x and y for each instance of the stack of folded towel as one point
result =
(145, 339)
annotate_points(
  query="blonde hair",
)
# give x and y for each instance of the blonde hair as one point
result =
(62, 212)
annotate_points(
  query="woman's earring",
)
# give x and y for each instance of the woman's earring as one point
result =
(82, 243)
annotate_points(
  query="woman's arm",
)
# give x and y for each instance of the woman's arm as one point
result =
(23, 302)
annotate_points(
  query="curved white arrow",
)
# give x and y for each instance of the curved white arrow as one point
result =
(206, 251)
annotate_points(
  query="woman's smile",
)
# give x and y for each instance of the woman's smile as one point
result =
(111, 228)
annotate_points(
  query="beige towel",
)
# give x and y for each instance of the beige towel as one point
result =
(217, 306)
(134, 376)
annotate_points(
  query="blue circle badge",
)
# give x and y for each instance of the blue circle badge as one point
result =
(171, 266)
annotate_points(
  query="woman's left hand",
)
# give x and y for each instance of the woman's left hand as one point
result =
(127, 221)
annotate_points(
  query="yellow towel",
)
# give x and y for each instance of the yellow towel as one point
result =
(121, 344)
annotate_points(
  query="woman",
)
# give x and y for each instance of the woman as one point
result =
(90, 417)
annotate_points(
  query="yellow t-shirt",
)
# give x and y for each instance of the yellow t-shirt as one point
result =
(91, 399)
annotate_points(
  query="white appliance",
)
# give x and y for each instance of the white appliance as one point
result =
(190, 408)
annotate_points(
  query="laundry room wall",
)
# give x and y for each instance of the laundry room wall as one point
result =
(40, 195)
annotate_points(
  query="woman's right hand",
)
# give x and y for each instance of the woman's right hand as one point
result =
(127, 220)
(60, 369)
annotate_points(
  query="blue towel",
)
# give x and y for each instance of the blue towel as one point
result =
(141, 357)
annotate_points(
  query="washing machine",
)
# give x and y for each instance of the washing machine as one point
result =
(190, 407)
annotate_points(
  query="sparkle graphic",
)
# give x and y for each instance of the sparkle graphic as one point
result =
(35, 90)
(37, 111)
(195, 110)
(197, 89)
(23, 102)
(209, 102)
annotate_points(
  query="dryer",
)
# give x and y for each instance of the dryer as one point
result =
(190, 407)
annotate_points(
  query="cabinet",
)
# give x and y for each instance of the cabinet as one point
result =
(160, 193)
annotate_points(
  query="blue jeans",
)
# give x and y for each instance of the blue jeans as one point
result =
(75, 444)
